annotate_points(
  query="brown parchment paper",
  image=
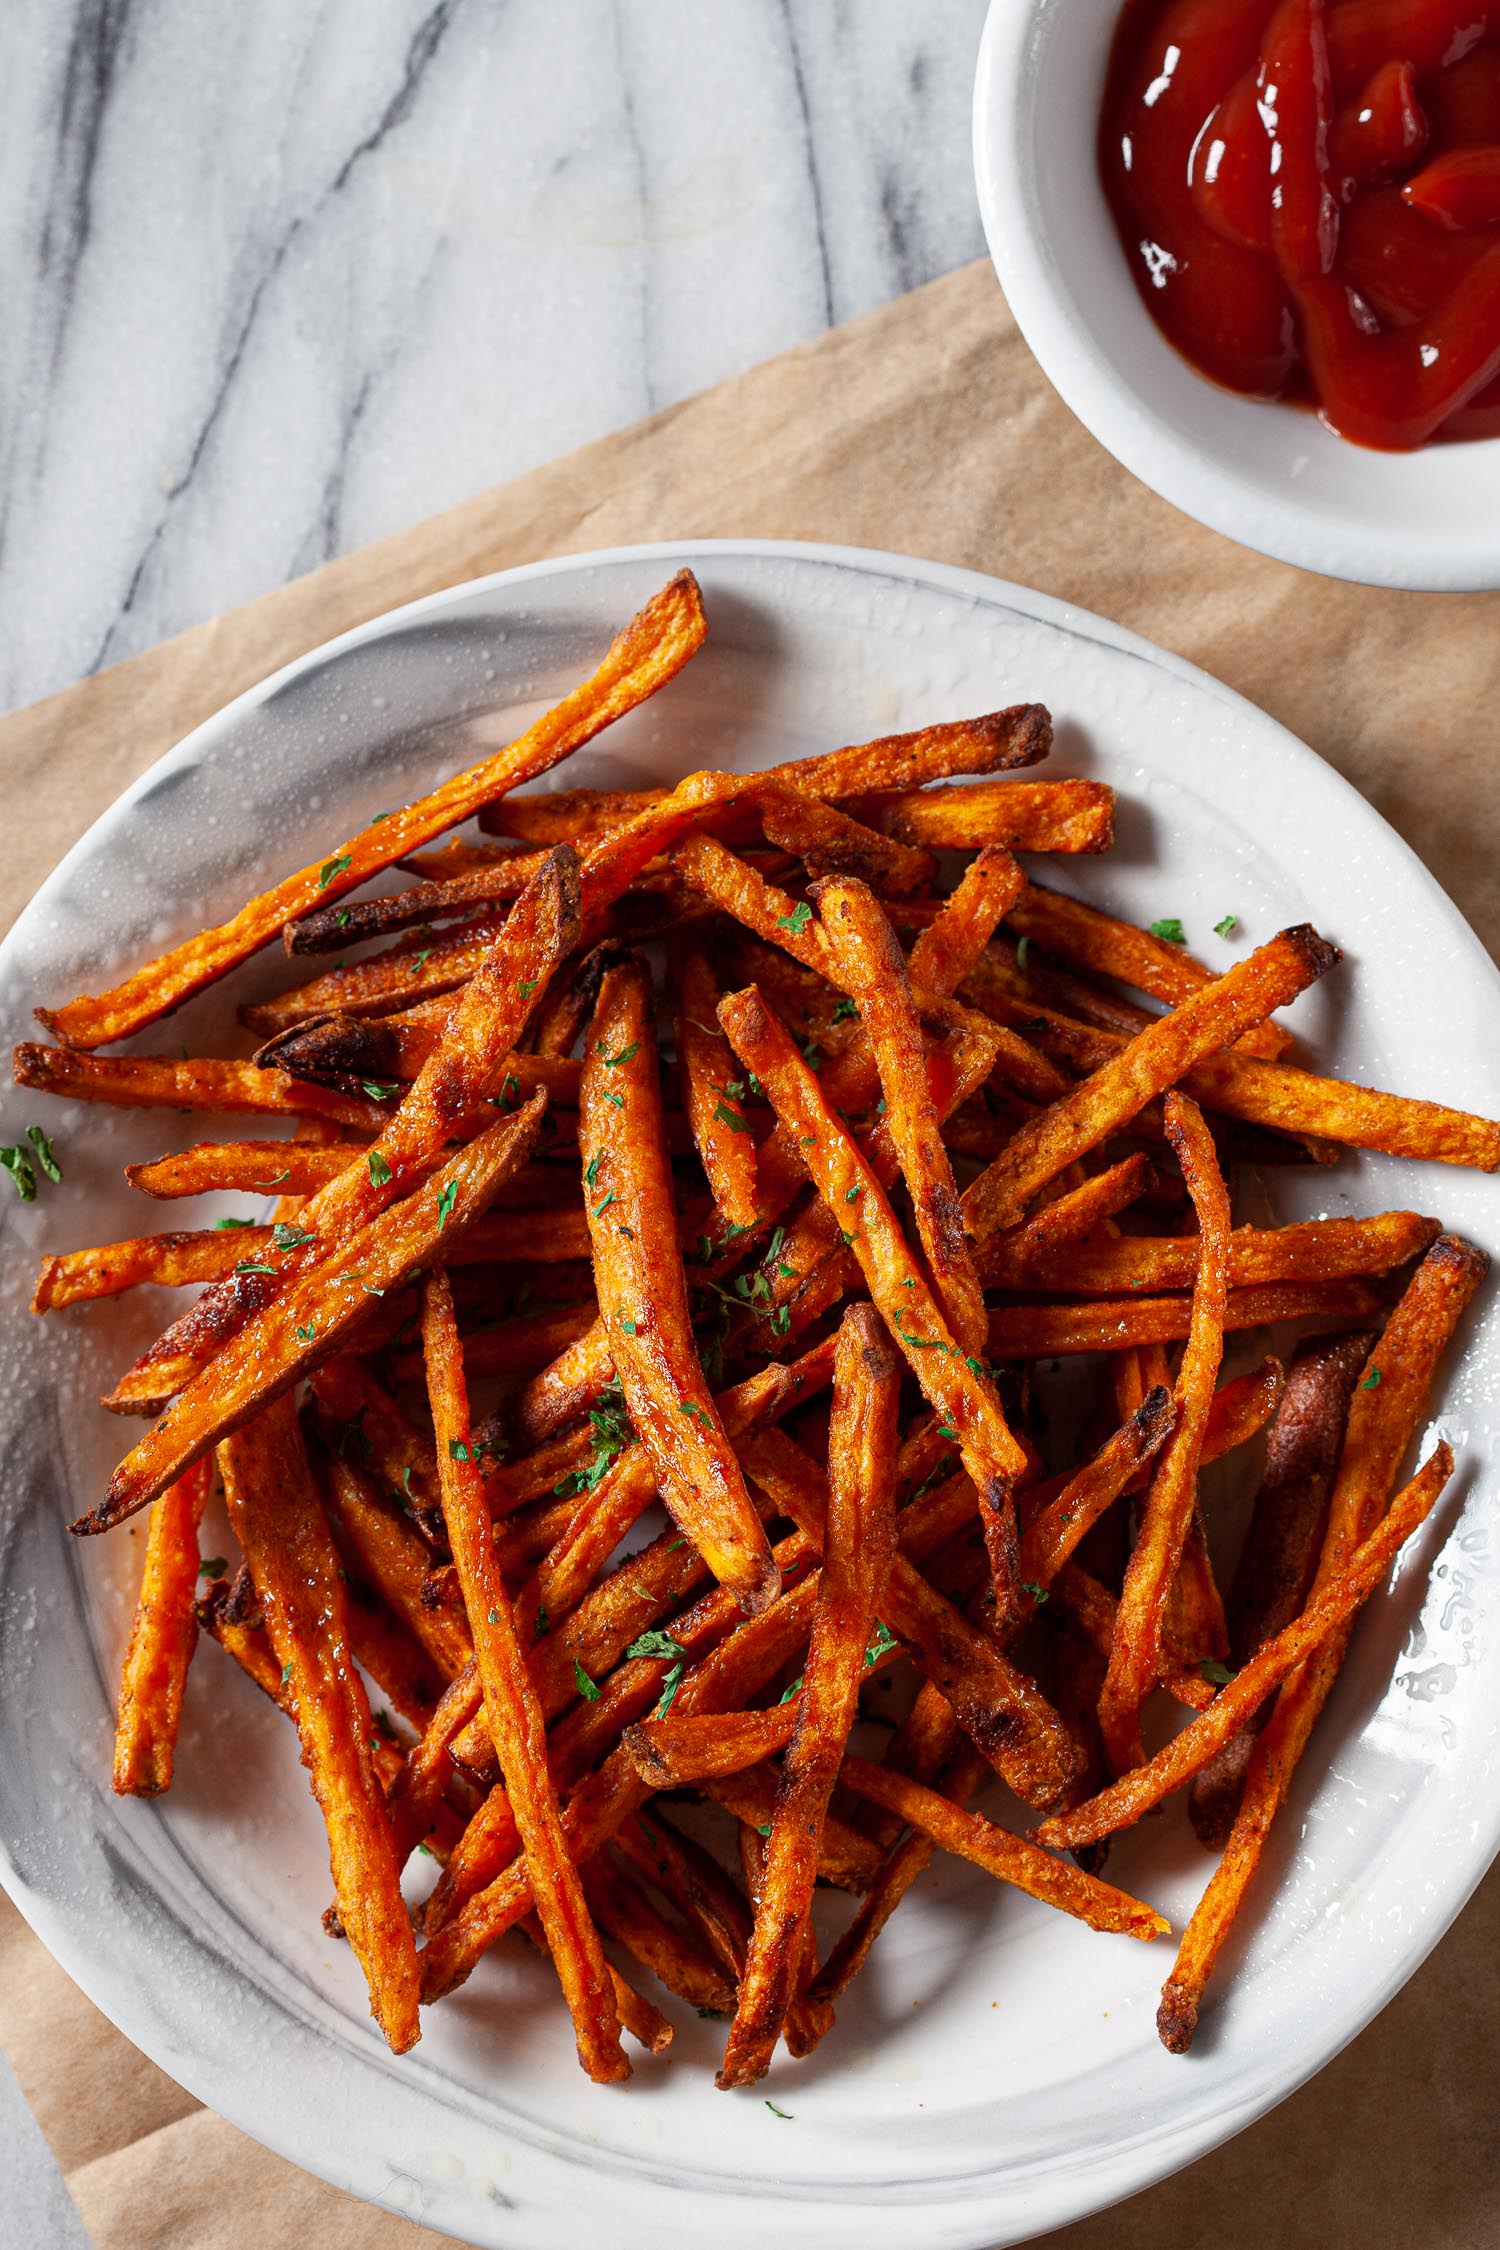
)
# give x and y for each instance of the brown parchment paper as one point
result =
(924, 427)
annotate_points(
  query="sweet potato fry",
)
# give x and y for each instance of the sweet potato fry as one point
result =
(332, 929)
(957, 1387)
(382, 1548)
(170, 1261)
(243, 1167)
(1013, 1859)
(858, 1541)
(651, 650)
(418, 969)
(209, 1085)
(1288, 1100)
(1082, 938)
(154, 1675)
(1385, 1415)
(313, 1315)
(274, 1513)
(1280, 1554)
(1168, 1513)
(872, 969)
(1329, 1612)
(1026, 816)
(1052, 1535)
(1312, 1250)
(512, 1711)
(711, 1096)
(946, 951)
(643, 1294)
(1154, 1060)
(1078, 1211)
(625, 1913)
(999, 1706)
(1123, 1323)
(829, 842)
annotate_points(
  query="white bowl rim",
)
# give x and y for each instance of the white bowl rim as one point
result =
(78, 1949)
(1286, 527)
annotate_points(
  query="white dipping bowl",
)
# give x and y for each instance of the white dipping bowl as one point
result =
(1268, 475)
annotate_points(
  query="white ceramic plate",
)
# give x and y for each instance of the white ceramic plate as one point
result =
(1268, 475)
(996, 2071)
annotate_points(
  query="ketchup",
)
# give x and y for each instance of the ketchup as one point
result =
(1308, 192)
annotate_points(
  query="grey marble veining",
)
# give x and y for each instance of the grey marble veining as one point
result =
(279, 279)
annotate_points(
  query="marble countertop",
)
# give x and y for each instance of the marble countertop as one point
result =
(282, 278)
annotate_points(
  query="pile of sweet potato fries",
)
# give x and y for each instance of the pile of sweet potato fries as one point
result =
(922, 1121)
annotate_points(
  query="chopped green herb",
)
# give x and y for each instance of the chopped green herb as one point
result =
(797, 920)
(844, 1011)
(458, 1450)
(946, 1429)
(781, 1319)
(338, 865)
(608, 1094)
(627, 1327)
(494, 1616)
(287, 1237)
(383, 1725)
(248, 1265)
(763, 1830)
(1371, 1381)
(1169, 928)
(1217, 1674)
(783, 2113)
(1227, 927)
(527, 986)
(44, 1155)
(446, 1201)
(656, 1643)
(421, 959)
(671, 1682)
(376, 1092)
(224, 1224)
(601, 1208)
(286, 1673)
(884, 1639)
(212, 1566)
(587, 1688)
(730, 1117)
(788, 1692)
(1023, 953)
(1037, 1592)
(343, 918)
(308, 1334)
(543, 1622)
(18, 1164)
(714, 2015)
(694, 1413)
(591, 1172)
(380, 1171)
(626, 1054)
(852, 1195)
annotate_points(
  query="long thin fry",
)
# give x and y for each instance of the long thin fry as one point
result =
(873, 968)
(956, 1386)
(946, 951)
(1154, 1060)
(246, 1167)
(651, 650)
(512, 1711)
(859, 1538)
(208, 1085)
(154, 1674)
(1312, 1250)
(724, 1136)
(1028, 816)
(312, 1316)
(274, 1512)
(1122, 1323)
(1330, 1611)
(1136, 1656)
(643, 1294)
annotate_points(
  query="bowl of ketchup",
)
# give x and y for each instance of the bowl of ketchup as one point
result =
(1255, 245)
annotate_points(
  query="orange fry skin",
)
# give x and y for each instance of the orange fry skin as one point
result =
(209, 1084)
(153, 1677)
(724, 1138)
(1309, 1250)
(961, 1392)
(859, 1539)
(244, 1167)
(274, 1512)
(1146, 1066)
(314, 1314)
(1330, 1611)
(1135, 1658)
(649, 652)
(512, 1711)
(642, 1291)
(1118, 1324)
(1013, 1859)
(873, 969)
(945, 952)
(1026, 816)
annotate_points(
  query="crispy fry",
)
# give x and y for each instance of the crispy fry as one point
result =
(1329, 1612)
(1280, 1554)
(1154, 1060)
(1051, 1537)
(246, 1167)
(1027, 816)
(829, 842)
(313, 1315)
(873, 969)
(957, 1387)
(417, 968)
(274, 1512)
(1081, 937)
(1384, 1417)
(1313, 1250)
(512, 1711)
(381, 1548)
(1136, 1656)
(1013, 1859)
(1288, 1100)
(859, 1539)
(999, 1706)
(331, 929)
(209, 1085)
(643, 1295)
(625, 1913)
(724, 1136)
(154, 1675)
(946, 951)
(653, 647)
(1078, 1211)
(1123, 1323)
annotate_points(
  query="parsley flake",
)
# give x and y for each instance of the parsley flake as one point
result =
(380, 1171)
(340, 864)
(786, 2114)
(797, 920)
(224, 1224)
(287, 1237)
(626, 1054)
(213, 1566)
(44, 1155)
(1227, 927)
(18, 1164)
(446, 1201)
(587, 1688)
(1169, 928)
(884, 1639)
(601, 1208)
(1217, 1674)
(1371, 1381)
(844, 1011)
(730, 1117)
(309, 1334)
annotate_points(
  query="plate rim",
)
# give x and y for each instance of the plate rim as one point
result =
(1114, 2177)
